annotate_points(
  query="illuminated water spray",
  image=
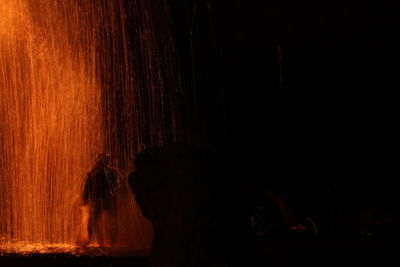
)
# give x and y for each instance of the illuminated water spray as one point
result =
(75, 81)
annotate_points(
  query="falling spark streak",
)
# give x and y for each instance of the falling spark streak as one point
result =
(69, 90)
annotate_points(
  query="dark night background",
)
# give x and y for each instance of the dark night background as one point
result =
(294, 95)
(334, 113)
(336, 107)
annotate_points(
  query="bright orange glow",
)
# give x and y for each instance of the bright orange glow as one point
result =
(51, 129)
(52, 126)
(9, 11)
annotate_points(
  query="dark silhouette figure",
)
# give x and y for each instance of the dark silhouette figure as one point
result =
(174, 189)
(99, 195)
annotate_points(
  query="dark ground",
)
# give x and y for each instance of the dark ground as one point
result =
(279, 254)
(70, 260)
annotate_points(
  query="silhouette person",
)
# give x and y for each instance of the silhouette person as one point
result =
(99, 195)
(174, 189)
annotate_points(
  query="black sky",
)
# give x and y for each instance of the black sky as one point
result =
(337, 104)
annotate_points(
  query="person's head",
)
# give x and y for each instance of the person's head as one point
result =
(164, 177)
(102, 160)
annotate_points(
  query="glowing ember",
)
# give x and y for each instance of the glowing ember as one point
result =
(68, 91)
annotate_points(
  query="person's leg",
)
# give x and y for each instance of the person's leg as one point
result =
(107, 228)
(92, 226)
(113, 226)
(82, 229)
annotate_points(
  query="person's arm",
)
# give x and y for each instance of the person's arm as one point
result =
(284, 209)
